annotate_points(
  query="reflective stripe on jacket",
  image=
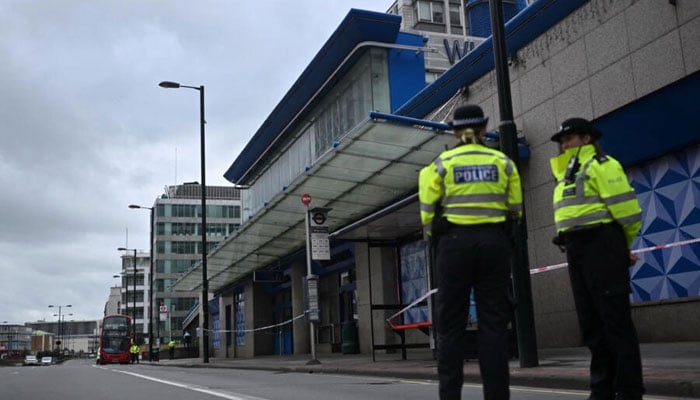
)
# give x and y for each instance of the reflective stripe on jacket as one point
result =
(471, 184)
(599, 194)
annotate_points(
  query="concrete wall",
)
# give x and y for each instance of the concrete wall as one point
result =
(382, 274)
(223, 351)
(668, 321)
(301, 337)
(263, 314)
(603, 56)
(329, 326)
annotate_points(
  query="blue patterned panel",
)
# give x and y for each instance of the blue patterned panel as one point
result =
(668, 190)
(414, 281)
(239, 304)
(216, 334)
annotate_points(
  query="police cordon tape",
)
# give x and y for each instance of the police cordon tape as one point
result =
(534, 271)
(637, 251)
(262, 328)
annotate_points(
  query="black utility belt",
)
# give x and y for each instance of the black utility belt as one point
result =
(585, 230)
(499, 225)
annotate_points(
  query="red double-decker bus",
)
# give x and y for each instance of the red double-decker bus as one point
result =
(115, 340)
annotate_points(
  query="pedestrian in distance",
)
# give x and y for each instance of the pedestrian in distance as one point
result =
(597, 216)
(171, 349)
(187, 339)
(134, 350)
(469, 196)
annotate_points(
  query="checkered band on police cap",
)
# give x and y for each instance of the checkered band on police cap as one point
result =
(468, 116)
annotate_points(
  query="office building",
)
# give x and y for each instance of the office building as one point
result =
(75, 337)
(178, 242)
(14, 338)
(134, 290)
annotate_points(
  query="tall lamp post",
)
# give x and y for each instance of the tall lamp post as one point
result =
(133, 310)
(60, 307)
(61, 327)
(205, 281)
(150, 284)
(524, 314)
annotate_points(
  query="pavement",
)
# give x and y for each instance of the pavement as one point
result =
(670, 369)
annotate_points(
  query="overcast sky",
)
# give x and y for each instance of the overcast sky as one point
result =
(85, 130)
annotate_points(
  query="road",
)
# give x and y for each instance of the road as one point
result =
(81, 379)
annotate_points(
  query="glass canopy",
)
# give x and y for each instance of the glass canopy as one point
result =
(371, 167)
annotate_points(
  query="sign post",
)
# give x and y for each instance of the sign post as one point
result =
(312, 317)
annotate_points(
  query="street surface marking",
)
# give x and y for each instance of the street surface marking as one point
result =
(408, 381)
(189, 387)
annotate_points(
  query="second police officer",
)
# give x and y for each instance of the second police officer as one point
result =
(597, 217)
(467, 196)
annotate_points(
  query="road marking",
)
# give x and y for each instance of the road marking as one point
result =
(189, 387)
(407, 381)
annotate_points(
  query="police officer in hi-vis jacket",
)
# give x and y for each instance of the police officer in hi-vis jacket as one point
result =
(467, 197)
(597, 217)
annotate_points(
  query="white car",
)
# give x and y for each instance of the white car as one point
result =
(46, 360)
(31, 360)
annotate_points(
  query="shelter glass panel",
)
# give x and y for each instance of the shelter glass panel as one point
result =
(414, 280)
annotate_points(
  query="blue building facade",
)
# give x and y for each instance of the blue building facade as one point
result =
(576, 58)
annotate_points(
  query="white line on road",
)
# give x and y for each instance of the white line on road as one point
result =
(190, 387)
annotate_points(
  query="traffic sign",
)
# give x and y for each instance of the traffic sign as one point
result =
(306, 199)
(319, 217)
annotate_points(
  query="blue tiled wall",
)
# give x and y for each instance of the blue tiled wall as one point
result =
(669, 193)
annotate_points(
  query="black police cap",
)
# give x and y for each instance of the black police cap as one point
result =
(467, 116)
(580, 126)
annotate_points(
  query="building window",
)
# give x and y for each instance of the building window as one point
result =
(429, 11)
(455, 15)
(364, 88)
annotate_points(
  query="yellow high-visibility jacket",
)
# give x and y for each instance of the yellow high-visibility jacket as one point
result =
(470, 184)
(599, 194)
(134, 349)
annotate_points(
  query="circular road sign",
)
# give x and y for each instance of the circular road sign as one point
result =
(306, 199)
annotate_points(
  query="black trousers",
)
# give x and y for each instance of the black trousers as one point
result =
(475, 257)
(599, 272)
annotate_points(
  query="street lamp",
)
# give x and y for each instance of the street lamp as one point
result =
(150, 285)
(60, 307)
(133, 310)
(524, 314)
(61, 328)
(205, 282)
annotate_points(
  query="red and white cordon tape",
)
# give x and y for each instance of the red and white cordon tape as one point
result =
(544, 269)
(637, 251)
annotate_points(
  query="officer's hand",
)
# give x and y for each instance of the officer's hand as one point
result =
(633, 258)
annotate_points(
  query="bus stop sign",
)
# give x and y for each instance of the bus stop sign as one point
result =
(319, 217)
